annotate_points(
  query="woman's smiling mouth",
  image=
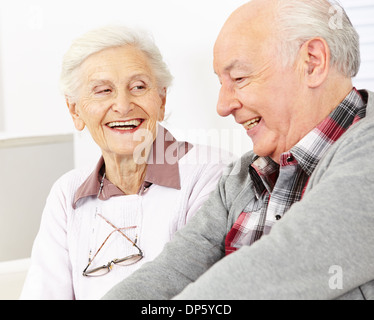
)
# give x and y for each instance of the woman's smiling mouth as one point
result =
(129, 125)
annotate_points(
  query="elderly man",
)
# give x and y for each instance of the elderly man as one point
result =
(293, 219)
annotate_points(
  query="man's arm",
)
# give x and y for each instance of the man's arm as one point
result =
(197, 246)
(193, 250)
(321, 249)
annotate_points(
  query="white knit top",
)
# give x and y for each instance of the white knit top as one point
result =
(67, 235)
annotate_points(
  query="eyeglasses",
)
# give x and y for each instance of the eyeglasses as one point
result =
(126, 261)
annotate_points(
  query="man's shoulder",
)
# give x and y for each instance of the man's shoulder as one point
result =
(358, 134)
(352, 152)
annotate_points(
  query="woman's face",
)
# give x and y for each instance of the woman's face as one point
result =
(118, 99)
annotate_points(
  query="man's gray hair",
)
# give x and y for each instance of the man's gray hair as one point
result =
(110, 37)
(301, 20)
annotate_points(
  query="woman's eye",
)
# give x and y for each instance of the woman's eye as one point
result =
(103, 91)
(138, 87)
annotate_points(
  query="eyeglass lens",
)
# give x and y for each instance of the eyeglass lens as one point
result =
(100, 271)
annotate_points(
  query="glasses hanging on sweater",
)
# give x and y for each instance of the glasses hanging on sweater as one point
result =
(126, 261)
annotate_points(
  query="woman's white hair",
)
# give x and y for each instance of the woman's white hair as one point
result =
(110, 37)
(298, 21)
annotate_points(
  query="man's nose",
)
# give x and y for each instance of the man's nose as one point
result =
(227, 101)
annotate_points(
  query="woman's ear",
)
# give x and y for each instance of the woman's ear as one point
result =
(163, 103)
(78, 122)
(316, 56)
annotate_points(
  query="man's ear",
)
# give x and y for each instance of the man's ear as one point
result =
(316, 61)
(78, 122)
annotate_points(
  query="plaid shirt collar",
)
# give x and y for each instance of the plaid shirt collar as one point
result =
(313, 146)
(279, 186)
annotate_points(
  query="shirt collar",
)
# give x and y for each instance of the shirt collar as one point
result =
(162, 169)
(314, 145)
(309, 150)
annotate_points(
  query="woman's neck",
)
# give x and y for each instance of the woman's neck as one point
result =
(124, 172)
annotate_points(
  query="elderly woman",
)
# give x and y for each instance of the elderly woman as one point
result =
(101, 224)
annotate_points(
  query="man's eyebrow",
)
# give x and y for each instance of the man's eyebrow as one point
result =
(235, 64)
(232, 65)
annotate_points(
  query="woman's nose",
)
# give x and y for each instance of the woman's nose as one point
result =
(227, 101)
(122, 103)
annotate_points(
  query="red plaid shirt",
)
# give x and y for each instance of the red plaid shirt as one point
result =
(278, 186)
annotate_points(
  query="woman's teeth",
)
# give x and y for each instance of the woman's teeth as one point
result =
(251, 123)
(124, 125)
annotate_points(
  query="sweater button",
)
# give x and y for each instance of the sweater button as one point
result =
(278, 217)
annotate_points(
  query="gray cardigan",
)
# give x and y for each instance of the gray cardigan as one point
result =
(323, 248)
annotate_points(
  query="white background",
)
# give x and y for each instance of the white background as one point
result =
(34, 35)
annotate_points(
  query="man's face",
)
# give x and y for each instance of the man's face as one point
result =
(257, 90)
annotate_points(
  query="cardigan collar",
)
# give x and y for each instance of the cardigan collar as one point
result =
(162, 169)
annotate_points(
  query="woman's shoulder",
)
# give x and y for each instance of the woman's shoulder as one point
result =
(72, 179)
(204, 164)
(203, 155)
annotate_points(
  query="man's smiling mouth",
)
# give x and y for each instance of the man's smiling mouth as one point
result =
(251, 123)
